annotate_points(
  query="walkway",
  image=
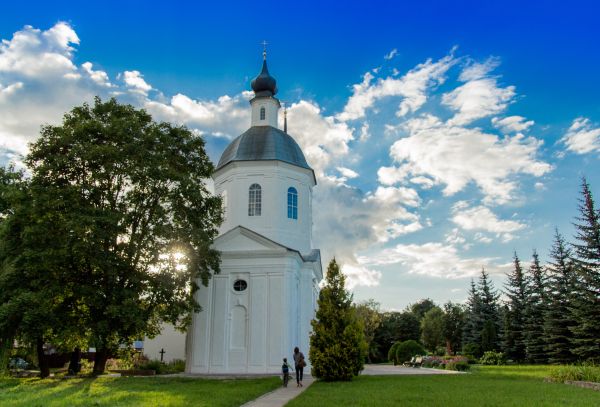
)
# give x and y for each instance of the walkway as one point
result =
(281, 396)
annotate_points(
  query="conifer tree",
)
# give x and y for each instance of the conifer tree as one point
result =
(514, 338)
(558, 317)
(586, 305)
(490, 314)
(535, 309)
(337, 345)
(473, 324)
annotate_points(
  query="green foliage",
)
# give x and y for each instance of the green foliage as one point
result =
(586, 372)
(460, 365)
(395, 327)
(558, 319)
(392, 353)
(585, 306)
(454, 319)
(174, 366)
(472, 350)
(407, 349)
(493, 358)
(432, 329)
(367, 312)
(420, 308)
(514, 331)
(112, 196)
(535, 309)
(337, 345)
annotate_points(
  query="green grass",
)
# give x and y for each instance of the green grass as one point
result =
(132, 391)
(485, 386)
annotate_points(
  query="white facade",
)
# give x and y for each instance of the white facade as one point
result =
(170, 340)
(260, 306)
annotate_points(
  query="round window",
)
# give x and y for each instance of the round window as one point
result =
(240, 285)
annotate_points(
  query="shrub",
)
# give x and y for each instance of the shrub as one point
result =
(587, 372)
(493, 358)
(407, 349)
(458, 365)
(471, 350)
(433, 362)
(392, 352)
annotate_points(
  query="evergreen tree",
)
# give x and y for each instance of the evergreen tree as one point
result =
(558, 317)
(586, 305)
(473, 324)
(337, 344)
(490, 314)
(535, 309)
(514, 337)
(454, 316)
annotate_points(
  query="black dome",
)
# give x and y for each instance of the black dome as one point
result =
(264, 84)
(264, 143)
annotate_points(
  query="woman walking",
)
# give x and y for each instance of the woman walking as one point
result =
(300, 363)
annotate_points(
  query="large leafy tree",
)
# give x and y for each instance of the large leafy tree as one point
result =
(454, 316)
(370, 317)
(514, 332)
(137, 220)
(337, 345)
(432, 329)
(420, 308)
(586, 305)
(395, 327)
(558, 319)
(535, 310)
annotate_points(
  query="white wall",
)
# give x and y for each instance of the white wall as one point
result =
(171, 340)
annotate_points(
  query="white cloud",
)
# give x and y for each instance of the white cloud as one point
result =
(391, 54)
(357, 275)
(347, 172)
(455, 156)
(323, 138)
(412, 87)
(100, 77)
(481, 218)
(512, 124)
(135, 81)
(582, 137)
(435, 260)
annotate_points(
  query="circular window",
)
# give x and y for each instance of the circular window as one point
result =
(240, 285)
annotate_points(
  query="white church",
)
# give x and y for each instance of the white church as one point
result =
(260, 306)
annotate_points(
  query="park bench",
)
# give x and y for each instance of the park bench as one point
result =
(416, 361)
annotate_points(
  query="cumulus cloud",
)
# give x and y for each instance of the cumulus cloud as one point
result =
(512, 124)
(134, 80)
(412, 88)
(322, 138)
(435, 260)
(480, 96)
(455, 156)
(347, 172)
(582, 137)
(481, 218)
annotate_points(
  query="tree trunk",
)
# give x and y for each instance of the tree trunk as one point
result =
(42, 360)
(100, 359)
(5, 348)
(449, 350)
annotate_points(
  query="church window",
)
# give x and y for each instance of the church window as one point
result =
(254, 200)
(262, 113)
(240, 285)
(292, 203)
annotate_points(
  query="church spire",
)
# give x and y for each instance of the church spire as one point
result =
(264, 84)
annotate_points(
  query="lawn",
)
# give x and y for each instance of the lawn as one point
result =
(485, 386)
(132, 391)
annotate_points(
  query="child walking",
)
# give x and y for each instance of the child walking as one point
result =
(285, 370)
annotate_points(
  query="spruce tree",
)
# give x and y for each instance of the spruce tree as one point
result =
(586, 305)
(473, 325)
(514, 337)
(337, 344)
(535, 308)
(490, 314)
(558, 317)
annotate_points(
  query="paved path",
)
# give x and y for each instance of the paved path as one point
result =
(279, 397)
(379, 370)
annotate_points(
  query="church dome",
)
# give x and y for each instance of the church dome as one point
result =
(264, 84)
(261, 143)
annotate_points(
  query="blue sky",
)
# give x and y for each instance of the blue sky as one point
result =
(444, 135)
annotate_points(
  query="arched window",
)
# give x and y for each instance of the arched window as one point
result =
(254, 200)
(262, 113)
(292, 203)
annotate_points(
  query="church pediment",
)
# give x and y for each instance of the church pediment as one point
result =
(243, 239)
